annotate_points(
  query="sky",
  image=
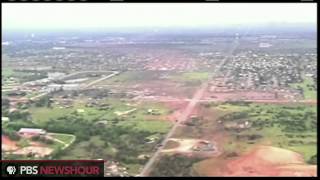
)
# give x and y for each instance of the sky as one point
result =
(24, 16)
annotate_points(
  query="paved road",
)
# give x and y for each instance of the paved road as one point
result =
(81, 72)
(99, 80)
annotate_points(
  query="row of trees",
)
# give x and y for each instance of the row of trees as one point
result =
(42, 139)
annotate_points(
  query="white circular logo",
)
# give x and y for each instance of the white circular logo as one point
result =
(11, 170)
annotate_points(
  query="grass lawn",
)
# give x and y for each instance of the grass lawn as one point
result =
(66, 138)
(41, 115)
(142, 121)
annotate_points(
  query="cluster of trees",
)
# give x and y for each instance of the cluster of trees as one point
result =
(11, 134)
(297, 122)
(175, 165)
(19, 115)
(42, 139)
(128, 142)
(250, 137)
(43, 102)
(239, 103)
(313, 159)
(234, 116)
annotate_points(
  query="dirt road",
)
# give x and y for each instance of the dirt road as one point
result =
(197, 96)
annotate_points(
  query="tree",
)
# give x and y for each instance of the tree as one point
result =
(44, 102)
(5, 103)
(313, 159)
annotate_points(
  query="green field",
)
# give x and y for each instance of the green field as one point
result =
(308, 92)
(287, 126)
(66, 138)
(43, 115)
(132, 77)
(189, 76)
(147, 125)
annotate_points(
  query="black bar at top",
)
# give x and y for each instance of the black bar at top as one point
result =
(159, 1)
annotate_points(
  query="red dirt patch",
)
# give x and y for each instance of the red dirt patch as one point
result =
(38, 151)
(8, 144)
(262, 161)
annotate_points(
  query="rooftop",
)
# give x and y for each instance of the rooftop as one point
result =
(32, 130)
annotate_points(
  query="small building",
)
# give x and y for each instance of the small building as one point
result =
(5, 119)
(31, 131)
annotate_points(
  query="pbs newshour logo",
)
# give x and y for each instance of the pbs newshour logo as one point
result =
(12, 170)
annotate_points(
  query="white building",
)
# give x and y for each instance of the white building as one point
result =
(31, 131)
(70, 87)
(53, 87)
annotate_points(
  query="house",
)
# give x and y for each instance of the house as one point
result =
(31, 132)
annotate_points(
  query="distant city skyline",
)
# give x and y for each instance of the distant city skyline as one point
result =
(43, 16)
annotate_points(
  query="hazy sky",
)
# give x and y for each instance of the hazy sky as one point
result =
(68, 16)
